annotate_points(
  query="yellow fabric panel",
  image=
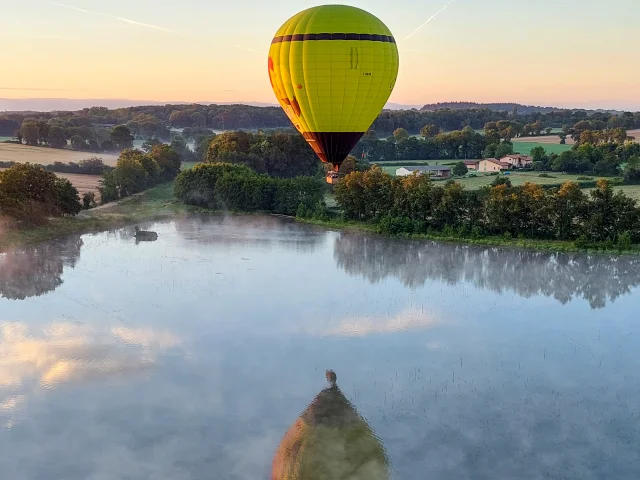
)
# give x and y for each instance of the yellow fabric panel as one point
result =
(333, 85)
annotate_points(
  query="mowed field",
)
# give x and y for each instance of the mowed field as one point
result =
(473, 183)
(391, 167)
(11, 152)
(553, 142)
(525, 148)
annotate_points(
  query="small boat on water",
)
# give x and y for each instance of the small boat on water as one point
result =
(145, 236)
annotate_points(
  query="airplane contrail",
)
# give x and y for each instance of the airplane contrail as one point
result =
(141, 24)
(115, 17)
(429, 19)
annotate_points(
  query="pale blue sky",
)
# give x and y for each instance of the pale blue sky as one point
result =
(563, 52)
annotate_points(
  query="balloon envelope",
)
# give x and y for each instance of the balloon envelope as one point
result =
(332, 69)
(330, 440)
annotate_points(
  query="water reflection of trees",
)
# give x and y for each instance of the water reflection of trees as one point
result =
(35, 270)
(527, 273)
(264, 230)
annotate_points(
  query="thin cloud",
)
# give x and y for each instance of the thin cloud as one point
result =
(34, 89)
(429, 20)
(141, 24)
(115, 17)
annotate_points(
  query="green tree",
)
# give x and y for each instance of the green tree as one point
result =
(18, 136)
(400, 134)
(66, 197)
(460, 169)
(490, 151)
(180, 146)
(78, 143)
(89, 200)
(569, 207)
(202, 146)
(167, 159)
(501, 181)
(121, 137)
(30, 133)
(148, 145)
(108, 187)
(130, 175)
(27, 192)
(57, 137)
(429, 131)
(539, 154)
(504, 149)
(43, 131)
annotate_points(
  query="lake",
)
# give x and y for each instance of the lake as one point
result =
(191, 356)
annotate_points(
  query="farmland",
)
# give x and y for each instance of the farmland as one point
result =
(525, 147)
(391, 167)
(11, 152)
(552, 143)
(473, 183)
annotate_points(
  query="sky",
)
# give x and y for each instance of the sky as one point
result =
(570, 53)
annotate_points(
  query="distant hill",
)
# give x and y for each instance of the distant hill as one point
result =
(502, 107)
(74, 105)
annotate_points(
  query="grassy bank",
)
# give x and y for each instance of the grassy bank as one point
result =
(159, 203)
(540, 245)
(154, 204)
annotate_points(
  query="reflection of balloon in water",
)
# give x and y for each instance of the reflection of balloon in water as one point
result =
(330, 440)
(333, 68)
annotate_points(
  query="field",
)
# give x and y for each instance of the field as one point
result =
(11, 152)
(473, 183)
(632, 191)
(525, 147)
(392, 166)
(552, 143)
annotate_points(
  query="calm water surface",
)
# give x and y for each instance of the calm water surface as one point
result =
(191, 356)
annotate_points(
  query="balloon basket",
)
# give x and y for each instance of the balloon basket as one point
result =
(332, 178)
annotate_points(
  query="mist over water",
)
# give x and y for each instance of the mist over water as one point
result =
(191, 356)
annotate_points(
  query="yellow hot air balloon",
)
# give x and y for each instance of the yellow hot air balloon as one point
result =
(330, 440)
(333, 68)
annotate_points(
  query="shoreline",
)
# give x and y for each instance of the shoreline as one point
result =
(158, 203)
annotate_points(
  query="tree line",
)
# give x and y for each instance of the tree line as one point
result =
(224, 186)
(42, 132)
(415, 204)
(562, 276)
(155, 120)
(277, 154)
(89, 166)
(137, 171)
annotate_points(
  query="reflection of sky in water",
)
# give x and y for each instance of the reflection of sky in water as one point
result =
(190, 357)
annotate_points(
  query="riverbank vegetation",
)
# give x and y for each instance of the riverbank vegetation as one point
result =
(237, 188)
(415, 205)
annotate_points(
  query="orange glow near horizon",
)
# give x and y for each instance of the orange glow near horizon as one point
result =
(160, 53)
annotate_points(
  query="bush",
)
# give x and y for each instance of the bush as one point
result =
(66, 197)
(395, 225)
(29, 192)
(546, 175)
(238, 188)
(89, 200)
(624, 241)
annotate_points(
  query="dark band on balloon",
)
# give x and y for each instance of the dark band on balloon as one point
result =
(299, 37)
